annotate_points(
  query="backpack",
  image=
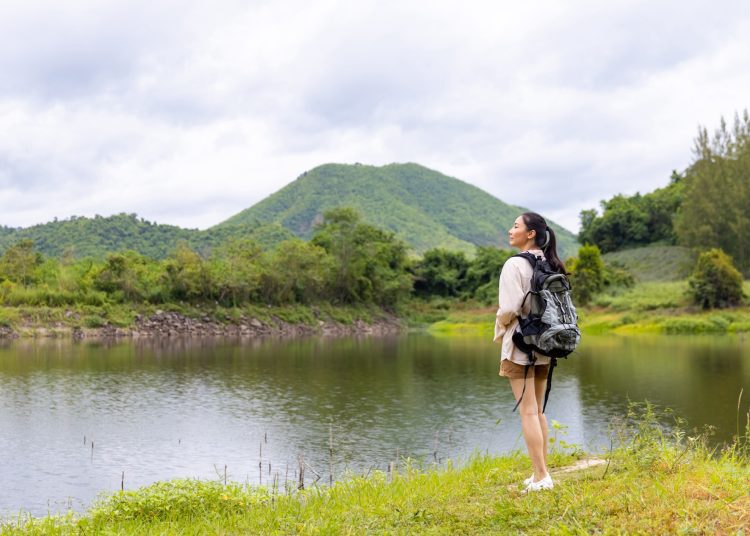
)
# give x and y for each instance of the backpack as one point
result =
(551, 328)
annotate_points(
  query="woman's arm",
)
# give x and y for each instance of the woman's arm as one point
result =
(511, 293)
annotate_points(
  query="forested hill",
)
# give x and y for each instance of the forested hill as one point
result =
(424, 207)
(95, 237)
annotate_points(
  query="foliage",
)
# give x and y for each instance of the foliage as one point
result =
(715, 283)
(616, 275)
(303, 274)
(369, 263)
(80, 237)
(630, 221)
(441, 273)
(654, 262)
(483, 274)
(646, 296)
(423, 207)
(19, 263)
(717, 192)
(586, 274)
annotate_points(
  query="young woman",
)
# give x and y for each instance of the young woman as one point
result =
(529, 233)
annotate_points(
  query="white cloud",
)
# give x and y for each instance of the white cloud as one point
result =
(188, 112)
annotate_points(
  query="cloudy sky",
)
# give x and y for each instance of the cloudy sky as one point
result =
(188, 112)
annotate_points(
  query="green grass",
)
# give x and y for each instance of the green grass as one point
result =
(646, 297)
(655, 482)
(655, 263)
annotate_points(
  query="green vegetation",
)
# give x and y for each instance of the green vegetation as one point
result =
(346, 263)
(703, 208)
(450, 274)
(426, 209)
(587, 274)
(714, 214)
(633, 221)
(657, 480)
(715, 283)
(654, 262)
(79, 237)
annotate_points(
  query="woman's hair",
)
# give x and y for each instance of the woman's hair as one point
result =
(544, 239)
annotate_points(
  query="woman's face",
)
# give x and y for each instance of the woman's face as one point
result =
(519, 236)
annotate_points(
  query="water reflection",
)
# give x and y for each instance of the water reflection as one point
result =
(74, 416)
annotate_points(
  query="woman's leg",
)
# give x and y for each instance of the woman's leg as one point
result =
(533, 434)
(540, 385)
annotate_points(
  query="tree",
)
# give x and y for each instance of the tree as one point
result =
(235, 269)
(369, 264)
(637, 220)
(129, 276)
(185, 274)
(715, 282)
(714, 213)
(587, 274)
(441, 272)
(19, 263)
(299, 273)
(483, 275)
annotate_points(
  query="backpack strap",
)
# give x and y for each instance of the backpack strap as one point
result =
(552, 365)
(523, 391)
(529, 257)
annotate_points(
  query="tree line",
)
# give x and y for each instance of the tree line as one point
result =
(705, 207)
(347, 261)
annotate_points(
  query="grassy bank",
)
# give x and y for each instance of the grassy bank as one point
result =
(655, 482)
(648, 307)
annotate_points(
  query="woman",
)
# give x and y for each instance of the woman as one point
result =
(529, 233)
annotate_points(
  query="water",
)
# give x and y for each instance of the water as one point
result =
(75, 416)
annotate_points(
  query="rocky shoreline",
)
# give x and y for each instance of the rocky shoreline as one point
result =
(171, 325)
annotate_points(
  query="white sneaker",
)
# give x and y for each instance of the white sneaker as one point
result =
(529, 480)
(545, 483)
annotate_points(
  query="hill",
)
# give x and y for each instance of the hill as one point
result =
(655, 263)
(95, 237)
(424, 207)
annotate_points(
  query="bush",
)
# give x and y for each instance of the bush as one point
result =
(715, 282)
(587, 274)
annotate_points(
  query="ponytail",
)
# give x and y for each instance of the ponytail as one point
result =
(544, 239)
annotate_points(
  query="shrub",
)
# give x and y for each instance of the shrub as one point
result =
(715, 282)
(587, 274)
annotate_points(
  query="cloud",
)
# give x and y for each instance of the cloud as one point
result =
(187, 112)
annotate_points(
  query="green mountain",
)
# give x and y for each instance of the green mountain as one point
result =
(425, 208)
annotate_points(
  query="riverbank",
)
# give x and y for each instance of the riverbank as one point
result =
(126, 321)
(596, 321)
(647, 308)
(652, 483)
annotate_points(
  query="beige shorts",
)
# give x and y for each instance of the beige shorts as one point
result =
(514, 371)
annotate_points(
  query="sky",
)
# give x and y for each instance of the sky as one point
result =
(188, 112)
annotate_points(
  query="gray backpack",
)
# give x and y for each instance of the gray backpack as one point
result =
(551, 327)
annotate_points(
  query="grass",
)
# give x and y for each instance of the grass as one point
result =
(655, 263)
(645, 297)
(658, 480)
(647, 307)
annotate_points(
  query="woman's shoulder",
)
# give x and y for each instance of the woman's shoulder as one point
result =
(514, 263)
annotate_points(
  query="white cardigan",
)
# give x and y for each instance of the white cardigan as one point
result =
(515, 282)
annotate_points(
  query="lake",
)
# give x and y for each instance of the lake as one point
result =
(80, 418)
